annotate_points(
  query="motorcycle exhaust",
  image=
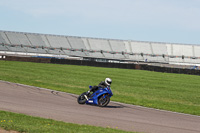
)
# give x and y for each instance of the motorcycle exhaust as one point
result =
(86, 97)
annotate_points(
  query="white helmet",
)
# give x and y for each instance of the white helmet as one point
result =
(108, 81)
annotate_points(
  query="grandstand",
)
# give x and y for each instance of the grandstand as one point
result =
(32, 44)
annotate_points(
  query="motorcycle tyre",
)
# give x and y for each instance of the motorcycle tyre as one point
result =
(83, 100)
(105, 103)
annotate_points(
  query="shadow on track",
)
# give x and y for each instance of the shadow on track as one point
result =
(108, 106)
(111, 106)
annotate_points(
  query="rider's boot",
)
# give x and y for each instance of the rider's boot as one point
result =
(88, 93)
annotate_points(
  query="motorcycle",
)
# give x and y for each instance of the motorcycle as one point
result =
(101, 97)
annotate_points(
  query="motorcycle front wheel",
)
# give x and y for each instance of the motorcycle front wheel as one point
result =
(103, 100)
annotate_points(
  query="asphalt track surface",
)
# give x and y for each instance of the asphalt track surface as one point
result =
(62, 106)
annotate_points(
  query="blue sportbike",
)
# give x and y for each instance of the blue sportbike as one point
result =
(101, 97)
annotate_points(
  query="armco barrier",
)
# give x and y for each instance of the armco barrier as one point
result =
(26, 59)
(93, 63)
(104, 64)
(170, 70)
(127, 66)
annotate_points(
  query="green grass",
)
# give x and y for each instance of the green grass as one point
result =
(174, 92)
(29, 124)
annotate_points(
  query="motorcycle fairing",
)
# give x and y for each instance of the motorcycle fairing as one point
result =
(93, 99)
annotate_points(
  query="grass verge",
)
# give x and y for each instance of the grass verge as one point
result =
(29, 124)
(174, 92)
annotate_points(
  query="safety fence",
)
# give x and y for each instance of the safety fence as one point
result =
(25, 59)
(127, 66)
(103, 64)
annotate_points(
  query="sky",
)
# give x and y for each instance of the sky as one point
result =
(172, 21)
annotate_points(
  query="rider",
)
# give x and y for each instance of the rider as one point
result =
(102, 84)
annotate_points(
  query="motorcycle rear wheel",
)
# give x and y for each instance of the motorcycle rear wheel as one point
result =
(81, 99)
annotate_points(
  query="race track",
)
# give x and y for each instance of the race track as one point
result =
(64, 107)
